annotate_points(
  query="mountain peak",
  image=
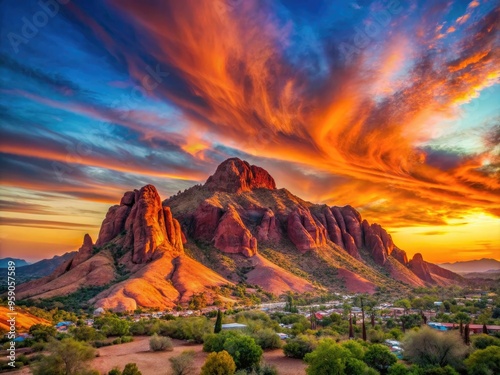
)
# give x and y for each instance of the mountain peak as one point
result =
(235, 175)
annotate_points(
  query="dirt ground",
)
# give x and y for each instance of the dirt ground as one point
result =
(157, 363)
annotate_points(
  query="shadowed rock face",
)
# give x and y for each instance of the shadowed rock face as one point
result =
(304, 231)
(235, 176)
(84, 253)
(232, 236)
(420, 268)
(206, 219)
(269, 229)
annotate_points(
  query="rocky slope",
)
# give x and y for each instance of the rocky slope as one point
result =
(237, 227)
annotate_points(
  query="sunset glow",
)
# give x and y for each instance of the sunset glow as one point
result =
(391, 107)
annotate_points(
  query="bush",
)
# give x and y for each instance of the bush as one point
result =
(221, 363)
(267, 339)
(267, 369)
(214, 342)
(67, 357)
(112, 326)
(117, 341)
(86, 333)
(299, 346)
(244, 351)
(42, 332)
(482, 341)
(126, 339)
(484, 361)
(131, 369)
(160, 343)
(183, 363)
(357, 350)
(447, 370)
(115, 371)
(430, 348)
(379, 357)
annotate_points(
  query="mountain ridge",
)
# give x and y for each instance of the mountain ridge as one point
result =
(236, 228)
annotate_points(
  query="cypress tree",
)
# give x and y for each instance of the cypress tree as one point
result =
(485, 329)
(467, 334)
(351, 330)
(218, 322)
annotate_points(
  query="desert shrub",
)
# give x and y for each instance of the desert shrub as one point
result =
(42, 332)
(299, 346)
(85, 333)
(266, 369)
(183, 363)
(38, 346)
(67, 357)
(221, 363)
(193, 329)
(160, 343)
(117, 341)
(115, 371)
(428, 348)
(112, 326)
(126, 339)
(131, 369)
(267, 339)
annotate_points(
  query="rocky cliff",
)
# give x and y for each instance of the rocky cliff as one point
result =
(238, 227)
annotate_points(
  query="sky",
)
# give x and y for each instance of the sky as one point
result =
(389, 106)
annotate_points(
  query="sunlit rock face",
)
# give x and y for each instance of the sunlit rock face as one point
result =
(235, 176)
(304, 231)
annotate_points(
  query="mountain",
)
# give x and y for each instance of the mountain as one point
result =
(43, 267)
(236, 228)
(4, 262)
(480, 265)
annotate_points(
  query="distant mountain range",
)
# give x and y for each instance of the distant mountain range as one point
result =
(236, 228)
(26, 271)
(480, 265)
(4, 262)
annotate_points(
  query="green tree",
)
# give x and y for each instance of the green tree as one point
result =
(244, 351)
(404, 303)
(299, 346)
(131, 369)
(42, 332)
(357, 350)
(86, 333)
(482, 341)
(398, 369)
(112, 326)
(115, 371)
(267, 339)
(67, 357)
(183, 364)
(328, 358)
(428, 348)
(218, 322)
(214, 342)
(379, 357)
(484, 361)
(219, 364)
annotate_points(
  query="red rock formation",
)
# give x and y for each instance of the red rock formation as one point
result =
(420, 268)
(206, 218)
(268, 230)
(352, 220)
(232, 236)
(339, 218)
(332, 227)
(350, 245)
(376, 247)
(84, 253)
(146, 226)
(114, 222)
(304, 231)
(399, 255)
(235, 176)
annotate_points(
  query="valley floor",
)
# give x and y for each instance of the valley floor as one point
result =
(155, 363)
